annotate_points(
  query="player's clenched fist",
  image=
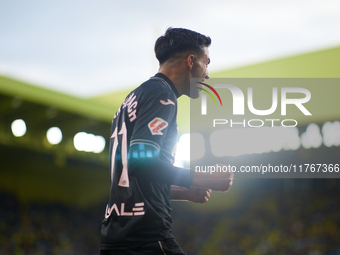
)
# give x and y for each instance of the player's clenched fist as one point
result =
(199, 195)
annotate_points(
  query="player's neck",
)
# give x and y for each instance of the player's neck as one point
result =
(177, 75)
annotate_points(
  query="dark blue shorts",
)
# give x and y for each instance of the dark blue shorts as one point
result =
(165, 247)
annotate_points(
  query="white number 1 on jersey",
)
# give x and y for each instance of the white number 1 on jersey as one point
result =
(124, 178)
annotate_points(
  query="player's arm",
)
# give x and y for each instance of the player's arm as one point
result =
(153, 169)
(193, 194)
(219, 184)
(144, 162)
(217, 181)
(152, 124)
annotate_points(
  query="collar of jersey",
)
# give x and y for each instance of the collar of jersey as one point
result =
(167, 80)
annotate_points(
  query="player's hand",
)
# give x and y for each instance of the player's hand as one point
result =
(220, 181)
(199, 195)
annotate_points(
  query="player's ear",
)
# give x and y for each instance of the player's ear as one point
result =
(190, 61)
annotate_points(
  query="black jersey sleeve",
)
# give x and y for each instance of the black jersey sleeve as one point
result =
(155, 170)
(153, 138)
(156, 117)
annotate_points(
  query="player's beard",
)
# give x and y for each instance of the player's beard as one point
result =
(194, 89)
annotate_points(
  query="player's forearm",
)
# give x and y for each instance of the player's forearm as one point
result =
(153, 169)
(219, 183)
(179, 193)
(156, 170)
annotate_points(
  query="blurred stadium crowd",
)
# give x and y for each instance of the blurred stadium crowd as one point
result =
(294, 217)
(47, 228)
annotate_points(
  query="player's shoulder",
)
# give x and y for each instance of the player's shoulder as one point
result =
(156, 87)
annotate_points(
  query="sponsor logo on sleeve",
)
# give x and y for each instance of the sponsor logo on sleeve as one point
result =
(157, 125)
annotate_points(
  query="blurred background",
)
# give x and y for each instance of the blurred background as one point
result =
(65, 68)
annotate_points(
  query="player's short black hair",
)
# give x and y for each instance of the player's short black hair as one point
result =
(178, 40)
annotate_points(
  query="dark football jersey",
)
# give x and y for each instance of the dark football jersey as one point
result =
(142, 144)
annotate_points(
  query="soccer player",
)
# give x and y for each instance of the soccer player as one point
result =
(143, 137)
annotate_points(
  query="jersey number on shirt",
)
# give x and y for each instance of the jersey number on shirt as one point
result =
(124, 178)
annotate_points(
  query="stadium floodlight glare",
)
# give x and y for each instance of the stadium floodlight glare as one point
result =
(291, 138)
(184, 152)
(79, 141)
(18, 128)
(331, 133)
(242, 141)
(88, 142)
(99, 144)
(54, 135)
(327, 133)
(312, 137)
